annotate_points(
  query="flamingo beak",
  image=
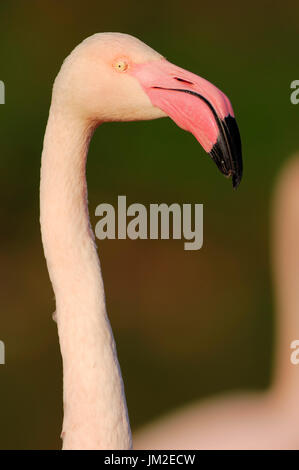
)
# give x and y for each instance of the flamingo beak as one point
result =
(196, 106)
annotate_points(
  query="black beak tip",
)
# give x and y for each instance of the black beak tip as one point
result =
(236, 180)
(227, 151)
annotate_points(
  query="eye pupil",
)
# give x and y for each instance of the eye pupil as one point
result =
(121, 65)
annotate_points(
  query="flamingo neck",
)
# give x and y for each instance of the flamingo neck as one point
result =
(95, 413)
(286, 275)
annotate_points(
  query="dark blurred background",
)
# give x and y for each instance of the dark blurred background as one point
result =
(187, 324)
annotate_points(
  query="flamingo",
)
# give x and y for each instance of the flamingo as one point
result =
(108, 77)
(257, 420)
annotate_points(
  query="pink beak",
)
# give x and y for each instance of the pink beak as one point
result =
(196, 106)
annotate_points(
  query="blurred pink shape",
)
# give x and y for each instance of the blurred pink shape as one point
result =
(265, 420)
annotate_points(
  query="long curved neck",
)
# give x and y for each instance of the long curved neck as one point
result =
(95, 413)
(286, 274)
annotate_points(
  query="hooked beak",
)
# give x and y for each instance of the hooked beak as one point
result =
(196, 106)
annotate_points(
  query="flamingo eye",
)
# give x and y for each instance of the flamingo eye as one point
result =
(121, 65)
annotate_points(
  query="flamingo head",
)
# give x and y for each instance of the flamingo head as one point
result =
(116, 77)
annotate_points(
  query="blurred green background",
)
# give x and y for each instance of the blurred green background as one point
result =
(187, 324)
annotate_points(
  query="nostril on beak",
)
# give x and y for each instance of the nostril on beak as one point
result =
(183, 80)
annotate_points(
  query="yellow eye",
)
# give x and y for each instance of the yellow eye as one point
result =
(121, 65)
